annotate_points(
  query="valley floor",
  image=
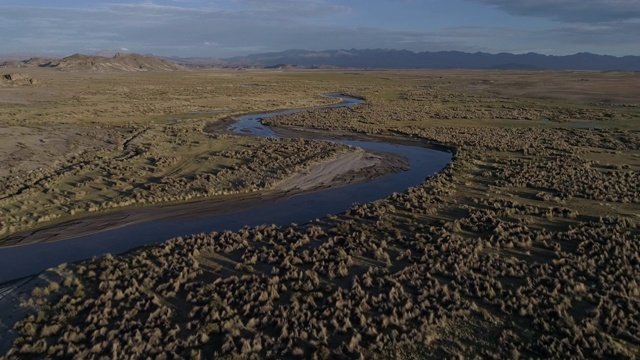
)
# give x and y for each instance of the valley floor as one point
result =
(525, 246)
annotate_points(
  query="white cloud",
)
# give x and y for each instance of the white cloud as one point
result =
(295, 7)
(249, 28)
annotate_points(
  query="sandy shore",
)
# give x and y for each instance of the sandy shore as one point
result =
(347, 169)
(350, 167)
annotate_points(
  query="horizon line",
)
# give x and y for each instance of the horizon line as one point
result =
(28, 55)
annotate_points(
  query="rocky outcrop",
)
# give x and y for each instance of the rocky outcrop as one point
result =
(18, 79)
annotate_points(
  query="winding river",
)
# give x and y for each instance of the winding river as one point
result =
(21, 261)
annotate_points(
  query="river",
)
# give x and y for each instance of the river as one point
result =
(26, 260)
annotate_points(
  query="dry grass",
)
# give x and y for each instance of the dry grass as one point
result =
(527, 245)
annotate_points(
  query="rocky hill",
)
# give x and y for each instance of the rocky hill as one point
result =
(119, 62)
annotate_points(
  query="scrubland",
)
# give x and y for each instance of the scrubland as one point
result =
(526, 246)
(82, 143)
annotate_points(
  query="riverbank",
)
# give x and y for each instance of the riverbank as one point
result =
(347, 168)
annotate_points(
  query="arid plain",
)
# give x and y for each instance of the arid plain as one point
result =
(526, 245)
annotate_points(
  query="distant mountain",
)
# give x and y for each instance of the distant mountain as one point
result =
(396, 59)
(31, 62)
(195, 61)
(119, 62)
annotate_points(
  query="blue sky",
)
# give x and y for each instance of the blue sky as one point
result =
(239, 27)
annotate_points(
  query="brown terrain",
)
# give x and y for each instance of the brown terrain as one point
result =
(118, 63)
(526, 246)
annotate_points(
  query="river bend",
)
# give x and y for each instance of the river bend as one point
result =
(26, 260)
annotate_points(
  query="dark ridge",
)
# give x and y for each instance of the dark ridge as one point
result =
(399, 59)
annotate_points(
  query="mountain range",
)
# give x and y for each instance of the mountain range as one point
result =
(361, 59)
(400, 59)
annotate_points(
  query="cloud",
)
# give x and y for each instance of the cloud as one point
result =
(245, 27)
(588, 11)
(173, 30)
(606, 36)
(294, 7)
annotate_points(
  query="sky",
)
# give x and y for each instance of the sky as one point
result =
(226, 28)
